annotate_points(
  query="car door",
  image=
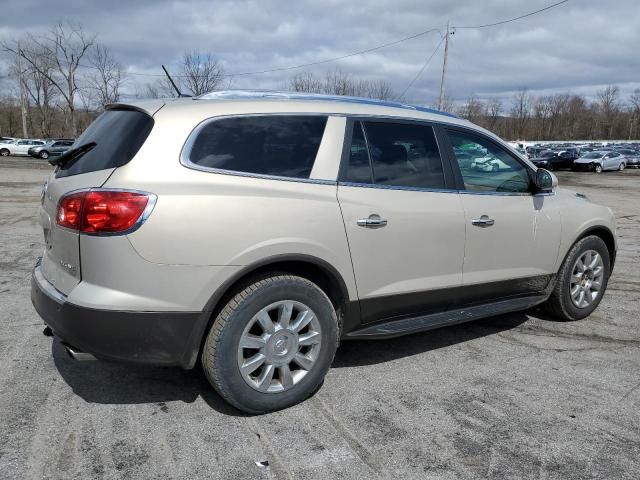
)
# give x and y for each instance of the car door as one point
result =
(403, 219)
(611, 161)
(21, 147)
(512, 235)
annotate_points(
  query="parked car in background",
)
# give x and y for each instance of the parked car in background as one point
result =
(599, 161)
(50, 149)
(632, 157)
(7, 139)
(19, 147)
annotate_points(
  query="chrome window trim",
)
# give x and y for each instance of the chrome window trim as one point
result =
(191, 138)
(153, 199)
(443, 190)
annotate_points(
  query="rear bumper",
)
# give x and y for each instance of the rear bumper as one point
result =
(156, 338)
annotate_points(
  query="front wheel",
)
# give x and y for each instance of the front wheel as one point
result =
(621, 167)
(4, 152)
(598, 168)
(44, 155)
(272, 344)
(581, 281)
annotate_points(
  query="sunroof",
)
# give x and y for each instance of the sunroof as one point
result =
(259, 94)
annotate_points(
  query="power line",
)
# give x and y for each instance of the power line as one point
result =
(353, 54)
(422, 69)
(549, 7)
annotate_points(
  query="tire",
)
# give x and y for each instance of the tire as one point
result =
(621, 167)
(243, 318)
(560, 303)
(44, 155)
(597, 168)
(4, 152)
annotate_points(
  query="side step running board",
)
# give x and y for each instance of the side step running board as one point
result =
(404, 326)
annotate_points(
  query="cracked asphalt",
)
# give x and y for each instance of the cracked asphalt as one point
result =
(517, 396)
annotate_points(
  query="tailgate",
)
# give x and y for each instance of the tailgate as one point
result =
(61, 259)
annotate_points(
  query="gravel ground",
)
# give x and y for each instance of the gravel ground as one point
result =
(517, 396)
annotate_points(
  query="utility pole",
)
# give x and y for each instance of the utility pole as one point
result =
(444, 68)
(23, 95)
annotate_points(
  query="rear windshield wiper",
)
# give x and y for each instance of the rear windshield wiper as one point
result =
(72, 154)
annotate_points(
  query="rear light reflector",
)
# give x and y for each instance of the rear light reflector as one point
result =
(103, 211)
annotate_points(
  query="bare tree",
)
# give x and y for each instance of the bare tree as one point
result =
(305, 82)
(337, 82)
(521, 111)
(38, 85)
(106, 81)
(494, 110)
(473, 109)
(200, 73)
(66, 46)
(608, 104)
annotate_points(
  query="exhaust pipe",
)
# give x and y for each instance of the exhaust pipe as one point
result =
(79, 355)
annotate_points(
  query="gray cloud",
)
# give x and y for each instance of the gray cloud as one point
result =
(577, 47)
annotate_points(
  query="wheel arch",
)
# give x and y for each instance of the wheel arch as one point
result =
(314, 269)
(607, 237)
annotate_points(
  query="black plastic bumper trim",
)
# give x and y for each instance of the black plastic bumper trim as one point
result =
(156, 338)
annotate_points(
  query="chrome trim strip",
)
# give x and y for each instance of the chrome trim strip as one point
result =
(442, 190)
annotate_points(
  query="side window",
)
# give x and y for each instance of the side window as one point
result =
(402, 154)
(358, 168)
(281, 145)
(485, 166)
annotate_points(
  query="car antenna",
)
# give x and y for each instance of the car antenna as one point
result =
(180, 94)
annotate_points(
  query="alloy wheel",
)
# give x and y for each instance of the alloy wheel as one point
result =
(279, 346)
(586, 279)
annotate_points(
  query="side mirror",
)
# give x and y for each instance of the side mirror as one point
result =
(545, 180)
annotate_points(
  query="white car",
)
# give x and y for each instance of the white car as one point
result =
(252, 232)
(600, 161)
(19, 147)
(489, 164)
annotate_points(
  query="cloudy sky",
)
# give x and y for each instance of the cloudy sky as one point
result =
(579, 46)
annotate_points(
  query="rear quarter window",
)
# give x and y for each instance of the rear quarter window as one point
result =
(277, 145)
(118, 135)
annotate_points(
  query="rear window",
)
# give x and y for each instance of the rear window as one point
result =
(118, 135)
(279, 145)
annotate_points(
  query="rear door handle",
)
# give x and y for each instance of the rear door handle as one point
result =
(373, 221)
(483, 221)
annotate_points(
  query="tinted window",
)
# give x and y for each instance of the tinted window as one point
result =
(358, 168)
(493, 169)
(118, 135)
(402, 154)
(279, 145)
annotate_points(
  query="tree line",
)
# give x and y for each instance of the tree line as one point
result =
(560, 116)
(65, 77)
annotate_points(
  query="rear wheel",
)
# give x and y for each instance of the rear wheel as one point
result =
(581, 281)
(4, 152)
(272, 344)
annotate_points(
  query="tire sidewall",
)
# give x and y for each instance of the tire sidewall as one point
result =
(229, 376)
(588, 243)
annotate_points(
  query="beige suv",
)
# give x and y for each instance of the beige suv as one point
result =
(255, 231)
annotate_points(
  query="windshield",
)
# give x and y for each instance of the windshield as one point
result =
(117, 134)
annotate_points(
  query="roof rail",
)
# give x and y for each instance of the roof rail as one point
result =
(277, 95)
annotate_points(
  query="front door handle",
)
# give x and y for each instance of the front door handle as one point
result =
(373, 221)
(483, 221)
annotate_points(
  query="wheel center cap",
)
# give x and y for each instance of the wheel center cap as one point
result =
(280, 345)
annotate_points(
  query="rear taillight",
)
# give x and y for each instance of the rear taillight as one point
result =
(103, 211)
